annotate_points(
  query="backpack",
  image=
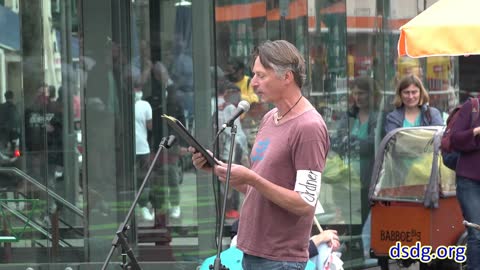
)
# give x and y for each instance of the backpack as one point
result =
(449, 155)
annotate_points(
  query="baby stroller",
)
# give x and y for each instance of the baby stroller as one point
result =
(415, 214)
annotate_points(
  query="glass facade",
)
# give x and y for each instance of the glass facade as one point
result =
(84, 84)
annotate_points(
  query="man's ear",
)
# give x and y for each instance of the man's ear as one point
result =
(288, 77)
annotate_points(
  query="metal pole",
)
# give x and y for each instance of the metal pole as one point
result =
(217, 263)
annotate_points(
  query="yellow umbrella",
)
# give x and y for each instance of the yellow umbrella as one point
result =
(447, 28)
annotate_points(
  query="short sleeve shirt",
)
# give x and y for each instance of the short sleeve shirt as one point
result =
(265, 229)
(143, 113)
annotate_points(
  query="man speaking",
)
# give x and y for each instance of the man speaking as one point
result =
(282, 186)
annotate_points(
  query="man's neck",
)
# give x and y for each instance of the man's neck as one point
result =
(286, 103)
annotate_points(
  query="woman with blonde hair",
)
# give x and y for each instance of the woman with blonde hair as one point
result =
(412, 110)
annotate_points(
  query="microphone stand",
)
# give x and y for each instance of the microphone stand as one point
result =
(217, 264)
(120, 236)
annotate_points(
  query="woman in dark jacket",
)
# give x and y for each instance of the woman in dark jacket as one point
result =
(359, 131)
(412, 110)
(358, 127)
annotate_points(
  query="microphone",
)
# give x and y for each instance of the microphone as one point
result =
(170, 141)
(242, 107)
(167, 142)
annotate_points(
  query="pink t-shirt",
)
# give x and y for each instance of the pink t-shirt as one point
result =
(266, 230)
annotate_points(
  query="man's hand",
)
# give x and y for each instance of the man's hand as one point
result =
(239, 175)
(198, 160)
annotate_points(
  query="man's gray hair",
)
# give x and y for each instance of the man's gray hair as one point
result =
(281, 56)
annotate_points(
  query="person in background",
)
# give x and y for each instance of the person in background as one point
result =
(37, 122)
(9, 120)
(357, 134)
(228, 99)
(235, 72)
(330, 237)
(143, 123)
(465, 139)
(289, 153)
(10, 148)
(181, 73)
(358, 128)
(165, 100)
(9, 128)
(55, 132)
(412, 110)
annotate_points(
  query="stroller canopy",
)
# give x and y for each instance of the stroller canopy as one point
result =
(408, 167)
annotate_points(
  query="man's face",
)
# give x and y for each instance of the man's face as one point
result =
(266, 83)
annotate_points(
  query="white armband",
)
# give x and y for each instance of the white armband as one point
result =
(308, 185)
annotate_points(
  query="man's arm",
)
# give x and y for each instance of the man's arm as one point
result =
(287, 199)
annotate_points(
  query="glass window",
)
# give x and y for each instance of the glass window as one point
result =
(71, 141)
(41, 135)
(240, 26)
